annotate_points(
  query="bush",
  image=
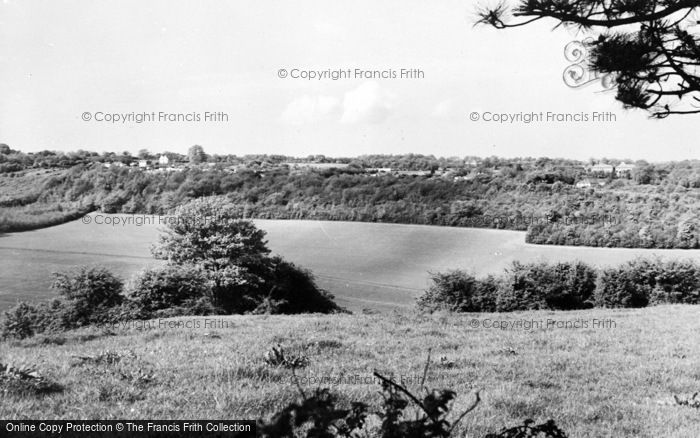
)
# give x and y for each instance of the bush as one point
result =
(561, 286)
(565, 286)
(20, 321)
(170, 286)
(678, 282)
(25, 320)
(629, 285)
(90, 293)
(460, 292)
(294, 290)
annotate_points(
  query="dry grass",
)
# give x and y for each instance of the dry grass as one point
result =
(595, 382)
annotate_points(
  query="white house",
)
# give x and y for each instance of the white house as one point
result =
(602, 168)
(163, 160)
(379, 169)
(143, 163)
(624, 168)
(583, 184)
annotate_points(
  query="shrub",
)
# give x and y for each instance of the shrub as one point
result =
(168, 287)
(20, 321)
(90, 293)
(629, 285)
(573, 286)
(561, 286)
(458, 291)
(677, 282)
(485, 295)
(294, 290)
(25, 320)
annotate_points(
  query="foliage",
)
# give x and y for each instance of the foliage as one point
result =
(294, 290)
(20, 321)
(565, 286)
(25, 382)
(232, 255)
(460, 292)
(529, 429)
(561, 286)
(209, 234)
(641, 282)
(652, 47)
(25, 319)
(170, 286)
(276, 356)
(90, 293)
(653, 206)
(319, 415)
(692, 401)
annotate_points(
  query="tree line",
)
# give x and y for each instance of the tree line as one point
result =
(653, 207)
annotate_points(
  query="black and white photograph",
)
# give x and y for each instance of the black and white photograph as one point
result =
(350, 219)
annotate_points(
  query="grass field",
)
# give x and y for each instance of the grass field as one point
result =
(366, 265)
(609, 381)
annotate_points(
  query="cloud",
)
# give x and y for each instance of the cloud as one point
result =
(311, 109)
(443, 109)
(368, 103)
(328, 30)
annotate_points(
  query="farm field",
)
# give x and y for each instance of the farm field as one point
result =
(365, 265)
(616, 379)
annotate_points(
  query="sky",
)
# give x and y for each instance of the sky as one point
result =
(235, 76)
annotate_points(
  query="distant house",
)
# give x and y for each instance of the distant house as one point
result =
(379, 169)
(606, 169)
(583, 184)
(163, 160)
(306, 164)
(413, 172)
(624, 169)
(143, 163)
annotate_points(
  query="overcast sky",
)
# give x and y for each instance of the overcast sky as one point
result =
(61, 59)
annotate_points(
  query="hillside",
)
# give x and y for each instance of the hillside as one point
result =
(617, 379)
(357, 262)
(558, 202)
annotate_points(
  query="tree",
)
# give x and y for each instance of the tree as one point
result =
(91, 291)
(196, 154)
(649, 46)
(208, 233)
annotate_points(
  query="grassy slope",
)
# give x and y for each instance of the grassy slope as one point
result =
(595, 383)
(366, 265)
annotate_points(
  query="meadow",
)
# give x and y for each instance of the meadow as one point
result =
(614, 379)
(365, 265)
